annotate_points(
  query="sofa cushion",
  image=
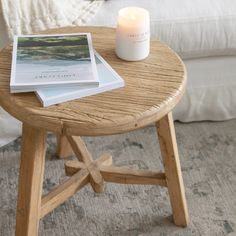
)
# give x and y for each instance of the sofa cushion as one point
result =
(210, 92)
(194, 29)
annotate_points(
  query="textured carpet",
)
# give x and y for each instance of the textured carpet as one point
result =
(208, 158)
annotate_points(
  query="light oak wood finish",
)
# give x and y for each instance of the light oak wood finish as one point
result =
(64, 191)
(64, 149)
(124, 175)
(30, 181)
(169, 150)
(121, 175)
(83, 155)
(152, 89)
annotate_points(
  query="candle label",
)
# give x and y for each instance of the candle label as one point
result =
(139, 37)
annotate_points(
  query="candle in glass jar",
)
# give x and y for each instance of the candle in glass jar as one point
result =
(133, 34)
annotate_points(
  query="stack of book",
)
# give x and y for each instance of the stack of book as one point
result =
(59, 68)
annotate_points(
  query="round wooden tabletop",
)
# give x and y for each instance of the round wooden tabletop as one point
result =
(152, 89)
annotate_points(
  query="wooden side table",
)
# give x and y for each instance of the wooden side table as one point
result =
(153, 88)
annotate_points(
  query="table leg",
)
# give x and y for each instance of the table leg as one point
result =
(169, 150)
(64, 149)
(30, 181)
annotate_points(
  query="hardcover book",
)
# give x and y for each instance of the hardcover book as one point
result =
(44, 61)
(108, 78)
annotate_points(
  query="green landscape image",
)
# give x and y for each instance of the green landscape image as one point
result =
(53, 50)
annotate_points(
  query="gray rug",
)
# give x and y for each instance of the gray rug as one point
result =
(208, 158)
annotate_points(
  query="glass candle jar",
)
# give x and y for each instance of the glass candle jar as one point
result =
(133, 34)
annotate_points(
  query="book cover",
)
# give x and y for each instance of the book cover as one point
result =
(108, 78)
(44, 61)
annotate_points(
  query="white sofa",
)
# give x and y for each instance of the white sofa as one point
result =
(203, 32)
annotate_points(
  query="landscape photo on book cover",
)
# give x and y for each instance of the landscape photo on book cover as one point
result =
(55, 50)
(51, 58)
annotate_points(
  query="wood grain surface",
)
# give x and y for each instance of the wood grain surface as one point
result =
(170, 156)
(153, 87)
(30, 181)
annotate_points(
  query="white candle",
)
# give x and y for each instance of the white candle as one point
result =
(133, 34)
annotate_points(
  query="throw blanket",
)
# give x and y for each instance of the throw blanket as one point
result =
(28, 16)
